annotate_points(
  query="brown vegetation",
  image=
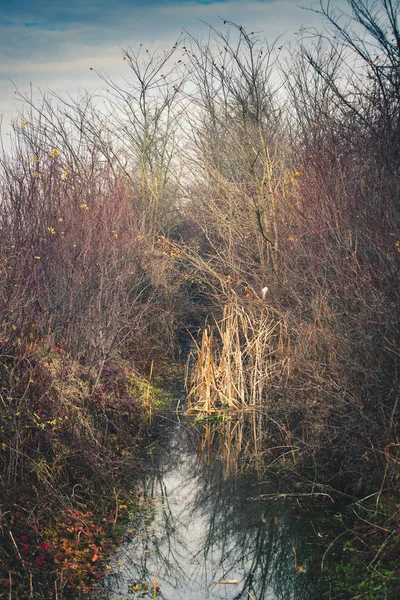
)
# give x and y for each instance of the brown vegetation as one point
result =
(212, 178)
(305, 203)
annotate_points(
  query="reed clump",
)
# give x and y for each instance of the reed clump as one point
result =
(239, 360)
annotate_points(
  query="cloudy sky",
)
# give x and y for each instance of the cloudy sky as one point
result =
(52, 44)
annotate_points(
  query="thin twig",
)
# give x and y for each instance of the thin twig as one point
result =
(329, 547)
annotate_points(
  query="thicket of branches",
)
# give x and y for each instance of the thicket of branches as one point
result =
(299, 191)
(218, 168)
(221, 167)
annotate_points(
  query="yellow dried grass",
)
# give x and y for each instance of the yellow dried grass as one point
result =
(238, 360)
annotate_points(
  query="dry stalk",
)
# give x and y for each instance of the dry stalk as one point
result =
(238, 360)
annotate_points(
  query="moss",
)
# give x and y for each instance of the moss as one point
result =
(151, 396)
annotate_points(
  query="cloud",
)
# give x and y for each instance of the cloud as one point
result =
(110, 60)
(53, 45)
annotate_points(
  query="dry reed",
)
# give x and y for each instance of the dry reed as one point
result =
(238, 360)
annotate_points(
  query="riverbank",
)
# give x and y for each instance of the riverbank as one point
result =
(71, 437)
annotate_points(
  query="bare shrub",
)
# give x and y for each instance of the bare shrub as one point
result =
(333, 271)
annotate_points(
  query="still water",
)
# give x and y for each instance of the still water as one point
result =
(206, 530)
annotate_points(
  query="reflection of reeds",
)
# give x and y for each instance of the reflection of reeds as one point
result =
(238, 360)
(237, 440)
(244, 439)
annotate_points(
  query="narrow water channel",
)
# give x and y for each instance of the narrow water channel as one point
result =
(206, 534)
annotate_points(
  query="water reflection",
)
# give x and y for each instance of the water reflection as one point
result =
(202, 526)
(239, 440)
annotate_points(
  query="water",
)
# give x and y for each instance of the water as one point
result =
(201, 524)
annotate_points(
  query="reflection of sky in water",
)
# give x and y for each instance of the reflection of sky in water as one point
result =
(201, 527)
(189, 570)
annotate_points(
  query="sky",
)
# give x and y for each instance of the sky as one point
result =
(53, 44)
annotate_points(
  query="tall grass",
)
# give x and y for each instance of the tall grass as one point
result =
(239, 360)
